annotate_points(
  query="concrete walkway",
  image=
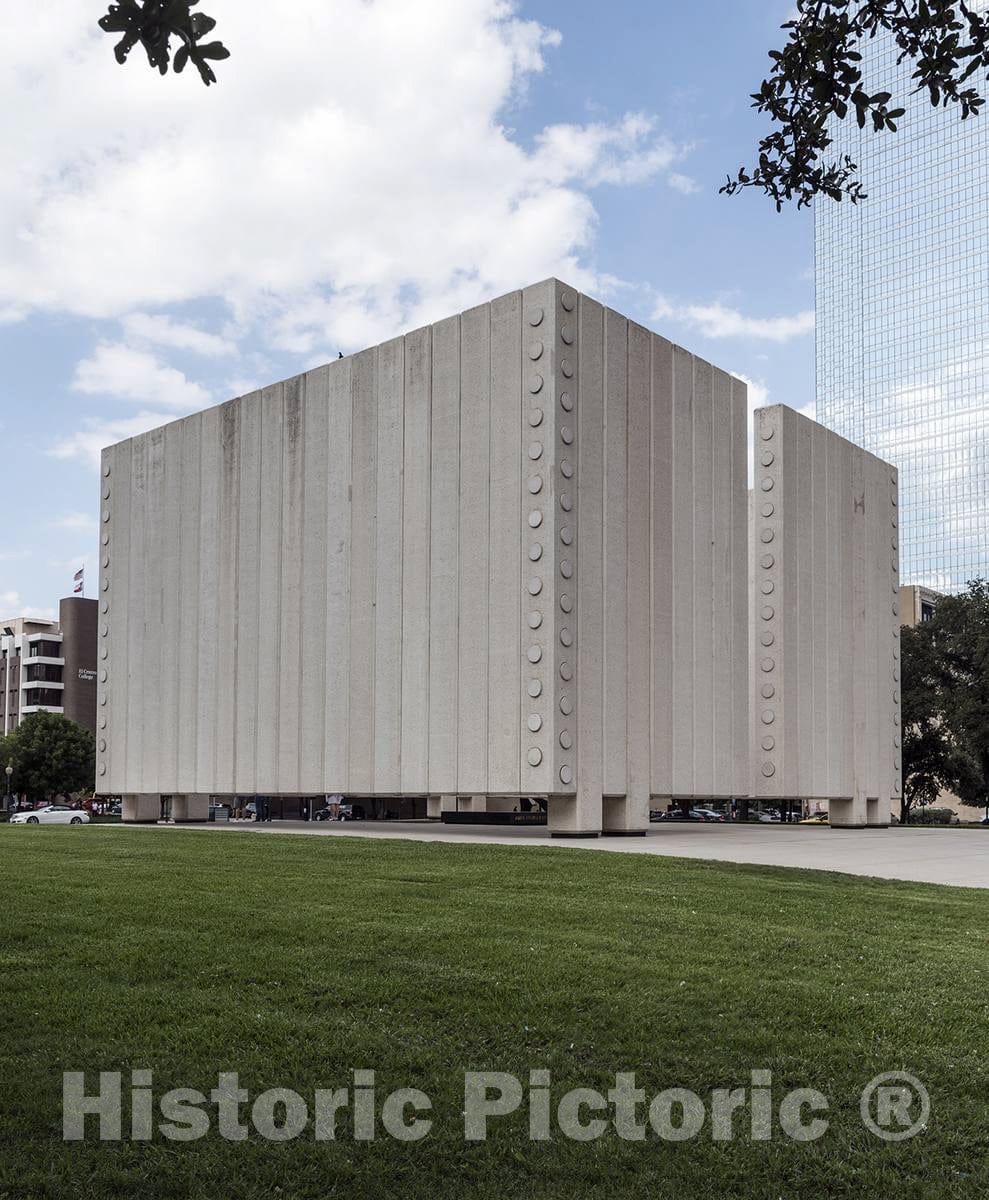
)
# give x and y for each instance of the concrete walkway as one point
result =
(959, 857)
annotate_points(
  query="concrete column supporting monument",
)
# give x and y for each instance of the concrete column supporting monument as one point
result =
(141, 808)
(861, 812)
(625, 816)
(189, 809)
(846, 812)
(573, 817)
(876, 817)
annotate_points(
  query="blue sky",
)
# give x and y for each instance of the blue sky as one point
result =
(164, 247)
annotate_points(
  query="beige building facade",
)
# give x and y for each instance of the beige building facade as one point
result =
(917, 604)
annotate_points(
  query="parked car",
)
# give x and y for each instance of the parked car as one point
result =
(815, 819)
(51, 814)
(709, 814)
(348, 812)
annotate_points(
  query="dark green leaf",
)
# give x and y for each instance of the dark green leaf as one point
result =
(214, 50)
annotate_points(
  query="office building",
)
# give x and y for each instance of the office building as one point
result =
(49, 666)
(903, 318)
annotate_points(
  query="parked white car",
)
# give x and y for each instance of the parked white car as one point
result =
(51, 814)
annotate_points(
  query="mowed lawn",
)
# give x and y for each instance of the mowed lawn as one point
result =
(295, 960)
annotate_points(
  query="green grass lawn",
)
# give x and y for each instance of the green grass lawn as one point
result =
(294, 960)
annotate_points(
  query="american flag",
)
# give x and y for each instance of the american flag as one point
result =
(78, 580)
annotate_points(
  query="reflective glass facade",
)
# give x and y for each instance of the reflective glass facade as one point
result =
(903, 321)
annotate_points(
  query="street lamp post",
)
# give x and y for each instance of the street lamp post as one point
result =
(8, 771)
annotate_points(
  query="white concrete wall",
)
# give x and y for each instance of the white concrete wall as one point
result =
(502, 555)
(663, 622)
(825, 649)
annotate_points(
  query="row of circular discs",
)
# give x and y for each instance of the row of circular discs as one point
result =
(104, 644)
(767, 588)
(536, 484)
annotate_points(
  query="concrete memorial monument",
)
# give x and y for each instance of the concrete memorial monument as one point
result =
(503, 556)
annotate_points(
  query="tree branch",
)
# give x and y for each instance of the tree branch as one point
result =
(817, 78)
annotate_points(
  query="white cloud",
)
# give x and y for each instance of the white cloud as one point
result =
(77, 522)
(628, 152)
(88, 442)
(682, 183)
(352, 172)
(12, 606)
(718, 321)
(126, 374)
(71, 565)
(163, 331)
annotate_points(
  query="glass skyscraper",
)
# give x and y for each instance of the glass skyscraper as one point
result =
(903, 319)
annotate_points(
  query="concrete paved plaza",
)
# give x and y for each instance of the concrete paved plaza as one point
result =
(949, 856)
